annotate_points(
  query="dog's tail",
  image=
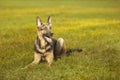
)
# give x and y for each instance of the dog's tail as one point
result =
(69, 51)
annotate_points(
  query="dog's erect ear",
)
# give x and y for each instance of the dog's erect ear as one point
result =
(49, 21)
(38, 22)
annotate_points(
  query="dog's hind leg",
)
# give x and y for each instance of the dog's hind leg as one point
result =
(60, 48)
(37, 58)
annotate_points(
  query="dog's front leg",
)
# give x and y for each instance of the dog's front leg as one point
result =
(37, 58)
(49, 57)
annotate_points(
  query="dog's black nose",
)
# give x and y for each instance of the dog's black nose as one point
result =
(51, 34)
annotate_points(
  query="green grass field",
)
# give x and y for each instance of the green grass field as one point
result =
(91, 25)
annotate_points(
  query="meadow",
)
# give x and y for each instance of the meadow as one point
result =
(90, 25)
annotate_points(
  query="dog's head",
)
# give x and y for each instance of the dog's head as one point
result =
(44, 29)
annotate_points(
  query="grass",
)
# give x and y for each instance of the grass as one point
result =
(89, 25)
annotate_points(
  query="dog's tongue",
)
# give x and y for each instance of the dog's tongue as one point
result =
(48, 39)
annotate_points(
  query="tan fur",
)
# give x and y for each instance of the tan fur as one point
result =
(37, 58)
(48, 57)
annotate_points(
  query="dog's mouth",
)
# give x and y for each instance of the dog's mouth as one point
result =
(48, 35)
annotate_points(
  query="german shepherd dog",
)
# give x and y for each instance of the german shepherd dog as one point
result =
(47, 48)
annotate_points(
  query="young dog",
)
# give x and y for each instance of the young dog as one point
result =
(45, 47)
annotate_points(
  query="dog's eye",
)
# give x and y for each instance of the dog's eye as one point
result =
(50, 27)
(41, 28)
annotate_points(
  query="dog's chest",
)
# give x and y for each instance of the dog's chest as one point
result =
(43, 45)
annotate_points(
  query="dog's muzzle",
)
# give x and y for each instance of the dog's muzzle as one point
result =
(48, 35)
